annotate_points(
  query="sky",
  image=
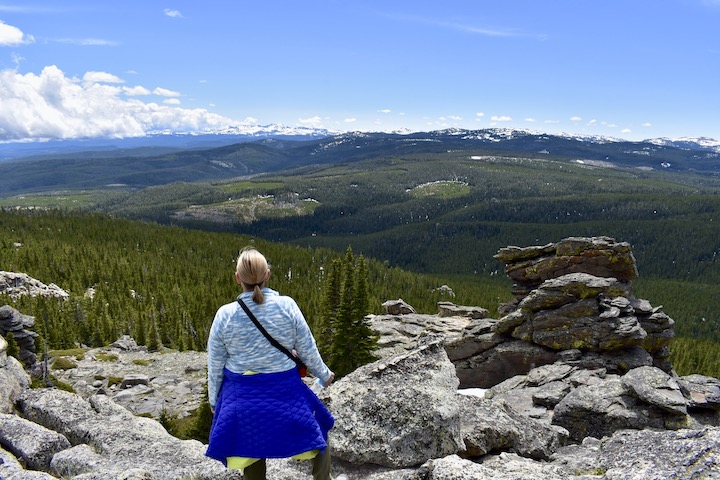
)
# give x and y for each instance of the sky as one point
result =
(630, 69)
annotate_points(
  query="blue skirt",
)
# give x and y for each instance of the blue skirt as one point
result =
(267, 415)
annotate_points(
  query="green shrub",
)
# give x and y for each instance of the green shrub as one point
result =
(113, 380)
(63, 363)
(106, 357)
(64, 386)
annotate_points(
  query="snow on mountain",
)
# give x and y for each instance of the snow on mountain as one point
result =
(688, 143)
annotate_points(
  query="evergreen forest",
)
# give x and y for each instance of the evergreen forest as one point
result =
(157, 262)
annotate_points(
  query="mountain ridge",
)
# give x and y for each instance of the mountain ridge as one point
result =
(204, 159)
(236, 134)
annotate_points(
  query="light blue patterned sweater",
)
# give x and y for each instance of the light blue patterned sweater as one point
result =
(235, 342)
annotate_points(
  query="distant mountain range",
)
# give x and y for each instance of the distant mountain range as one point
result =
(164, 158)
(247, 133)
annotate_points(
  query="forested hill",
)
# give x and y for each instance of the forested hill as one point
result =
(144, 167)
(164, 284)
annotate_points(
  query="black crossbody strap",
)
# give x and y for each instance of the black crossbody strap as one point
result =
(274, 342)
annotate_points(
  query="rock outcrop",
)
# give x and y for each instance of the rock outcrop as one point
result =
(577, 371)
(12, 321)
(16, 285)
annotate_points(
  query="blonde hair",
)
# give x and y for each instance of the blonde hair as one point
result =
(252, 270)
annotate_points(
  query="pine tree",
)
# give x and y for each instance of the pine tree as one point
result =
(13, 349)
(353, 340)
(365, 336)
(153, 343)
(324, 329)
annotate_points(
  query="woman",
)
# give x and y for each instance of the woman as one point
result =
(262, 408)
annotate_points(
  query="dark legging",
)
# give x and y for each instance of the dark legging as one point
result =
(320, 470)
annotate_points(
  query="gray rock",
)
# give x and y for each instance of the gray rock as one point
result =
(12, 321)
(13, 379)
(513, 357)
(601, 409)
(132, 379)
(503, 467)
(33, 444)
(448, 309)
(11, 469)
(76, 461)
(701, 391)
(120, 441)
(656, 387)
(126, 342)
(647, 454)
(399, 411)
(397, 307)
(17, 285)
(598, 256)
(489, 426)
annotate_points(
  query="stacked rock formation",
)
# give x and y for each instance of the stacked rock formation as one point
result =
(576, 294)
(20, 325)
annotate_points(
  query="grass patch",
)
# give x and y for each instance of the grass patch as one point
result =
(250, 209)
(444, 189)
(114, 380)
(78, 353)
(106, 357)
(63, 363)
(143, 362)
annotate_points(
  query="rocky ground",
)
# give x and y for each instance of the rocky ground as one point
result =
(143, 382)
(578, 382)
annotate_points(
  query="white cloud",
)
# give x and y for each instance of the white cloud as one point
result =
(455, 118)
(552, 122)
(350, 120)
(314, 122)
(11, 36)
(501, 118)
(136, 91)
(101, 77)
(647, 124)
(164, 92)
(385, 110)
(171, 101)
(591, 122)
(85, 42)
(531, 120)
(169, 12)
(626, 130)
(479, 114)
(51, 105)
(575, 118)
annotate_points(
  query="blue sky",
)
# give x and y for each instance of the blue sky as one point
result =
(622, 68)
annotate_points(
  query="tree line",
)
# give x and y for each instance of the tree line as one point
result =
(163, 284)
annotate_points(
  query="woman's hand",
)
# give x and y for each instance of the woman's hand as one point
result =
(330, 379)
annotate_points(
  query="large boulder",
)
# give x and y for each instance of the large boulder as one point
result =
(678, 454)
(12, 469)
(497, 427)
(639, 400)
(115, 440)
(34, 443)
(399, 411)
